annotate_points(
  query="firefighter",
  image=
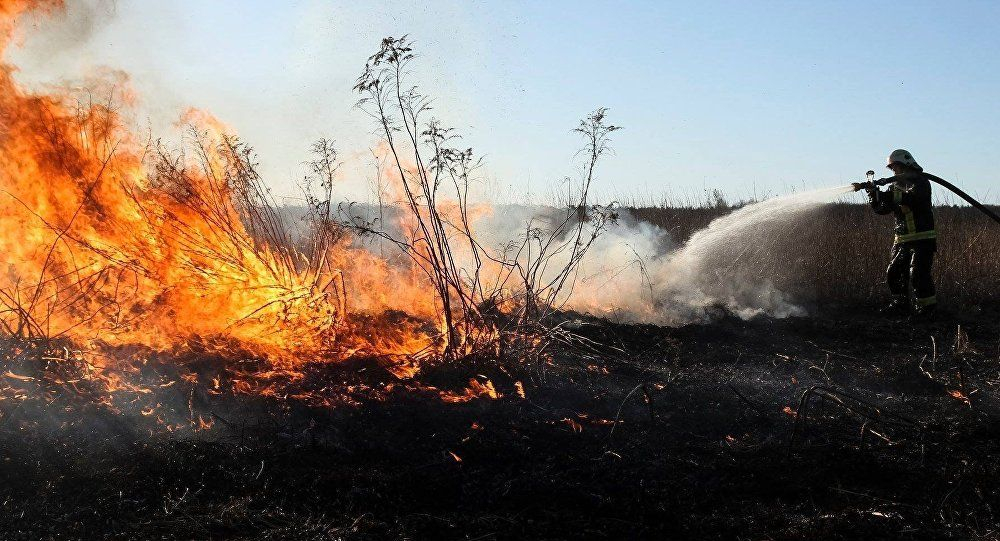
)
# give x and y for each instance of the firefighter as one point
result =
(908, 198)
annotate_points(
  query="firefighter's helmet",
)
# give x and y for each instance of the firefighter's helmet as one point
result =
(903, 157)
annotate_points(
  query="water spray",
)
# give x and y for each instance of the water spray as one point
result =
(871, 183)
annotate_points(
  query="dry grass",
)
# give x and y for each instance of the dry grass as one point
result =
(837, 255)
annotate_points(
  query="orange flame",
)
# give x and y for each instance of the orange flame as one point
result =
(473, 391)
(111, 240)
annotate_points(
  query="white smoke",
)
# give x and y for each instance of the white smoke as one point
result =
(635, 272)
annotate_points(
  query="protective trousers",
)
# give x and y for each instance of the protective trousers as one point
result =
(911, 264)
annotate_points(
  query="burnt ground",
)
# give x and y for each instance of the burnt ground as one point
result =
(834, 427)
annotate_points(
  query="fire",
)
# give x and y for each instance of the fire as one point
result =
(126, 265)
(109, 251)
(11, 9)
(111, 240)
(473, 391)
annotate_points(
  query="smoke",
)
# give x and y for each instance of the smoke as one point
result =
(636, 272)
(75, 28)
(67, 30)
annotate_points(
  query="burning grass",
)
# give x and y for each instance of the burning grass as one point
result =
(119, 242)
(131, 264)
(142, 282)
(122, 241)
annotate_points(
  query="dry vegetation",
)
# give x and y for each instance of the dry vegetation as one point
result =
(835, 257)
(516, 420)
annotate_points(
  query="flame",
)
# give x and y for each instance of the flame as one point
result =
(110, 240)
(105, 251)
(473, 391)
(116, 248)
(10, 10)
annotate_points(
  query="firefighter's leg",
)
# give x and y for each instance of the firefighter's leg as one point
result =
(920, 273)
(897, 277)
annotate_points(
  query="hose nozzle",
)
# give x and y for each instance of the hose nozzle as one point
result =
(867, 185)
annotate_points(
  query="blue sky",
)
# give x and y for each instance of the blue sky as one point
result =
(747, 97)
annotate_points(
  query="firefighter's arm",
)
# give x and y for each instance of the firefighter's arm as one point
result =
(880, 201)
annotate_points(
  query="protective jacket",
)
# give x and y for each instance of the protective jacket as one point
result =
(909, 200)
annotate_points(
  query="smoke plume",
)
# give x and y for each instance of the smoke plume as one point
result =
(636, 272)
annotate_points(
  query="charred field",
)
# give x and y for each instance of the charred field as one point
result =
(181, 357)
(840, 426)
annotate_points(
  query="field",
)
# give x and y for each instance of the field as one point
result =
(843, 249)
(839, 425)
(180, 358)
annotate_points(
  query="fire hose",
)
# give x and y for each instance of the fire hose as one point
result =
(872, 183)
